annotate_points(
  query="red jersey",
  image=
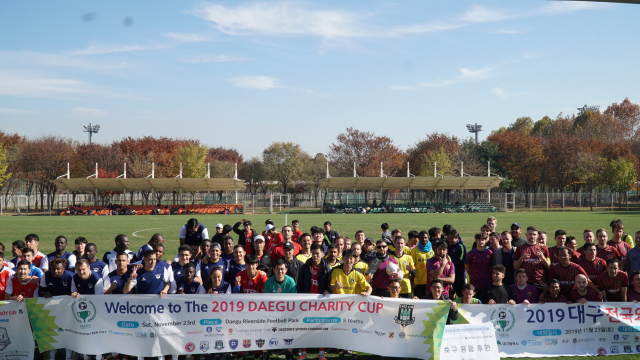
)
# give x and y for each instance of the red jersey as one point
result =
(566, 276)
(296, 235)
(37, 259)
(592, 268)
(553, 255)
(5, 277)
(27, 290)
(612, 286)
(250, 285)
(622, 248)
(534, 266)
(607, 253)
(248, 241)
(314, 280)
(549, 300)
(278, 254)
(632, 295)
(273, 241)
(591, 295)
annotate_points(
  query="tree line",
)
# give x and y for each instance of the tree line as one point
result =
(589, 151)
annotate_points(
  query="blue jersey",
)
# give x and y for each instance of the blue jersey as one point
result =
(92, 285)
(152, 282)
(36, 271)
(120, 280)
(56, 286)
(205, 269)
(196, 237)
(224, 288)
(109, 258)
(71, 259)
(227, 258)
(193, 287)
(233, 270)
(100, 268)
(140, 254)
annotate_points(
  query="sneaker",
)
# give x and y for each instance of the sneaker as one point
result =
(265, 356)
(322, 357)
(304, 357)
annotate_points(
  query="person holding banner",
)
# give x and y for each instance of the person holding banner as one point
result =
(467, 296)
(552, 295)
(5, 276)
(56, 281)
(251, 280)
(215, 284)
(437, 287)
(496, 293)
(613, 282)
(20, 286)
(633, 294)
(521, 292)
(581, 293)
(85, 281)
(188, 284)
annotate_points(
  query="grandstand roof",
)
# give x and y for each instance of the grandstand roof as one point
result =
(416, 183)
(170, 184)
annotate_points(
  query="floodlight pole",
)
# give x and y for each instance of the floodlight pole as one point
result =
(91, 130)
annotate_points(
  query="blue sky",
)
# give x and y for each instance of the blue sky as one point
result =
(244, 74)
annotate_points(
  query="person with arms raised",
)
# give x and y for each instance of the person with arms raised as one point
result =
(246, 235)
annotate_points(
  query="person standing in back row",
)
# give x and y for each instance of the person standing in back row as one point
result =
(329, 235)
(192, 233)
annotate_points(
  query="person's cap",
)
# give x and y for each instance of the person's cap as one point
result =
(259, 237)
(369, 240)
(219, 226)
(247, 223)
(516, 224)
(288, 245)
(269, 227)
(215, 245)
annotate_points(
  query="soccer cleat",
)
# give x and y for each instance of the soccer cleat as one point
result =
(304, 357)
(322, 357)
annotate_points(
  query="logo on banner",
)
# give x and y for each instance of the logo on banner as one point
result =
(152, 334)
(405, 315)
(503, 319)
(230, 331)
(614, 350)
(391, 335)
(190, 347)
(218, 328)
(84, 311)
(233, 344)
(273, 342)
(274, 329)
(551, 341)
(625, 337)
(379, 333)
(219, 345)
(288, 341)
(204, 346)
(4, 336)
(209, 329)
(260, 343)
(402, 335)
(616, 337)
(602, 351)
(246, 343)
(627, 348)
(354, 330)
(638, 348)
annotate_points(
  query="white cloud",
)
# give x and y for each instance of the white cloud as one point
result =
(216, 58)
(254, 82)
(189, 37)
(464, 76)
(479, 14)
(15, 111)
(101, 49)
(499, 92)
(24, 84)
(58, 60)
(563, 7)
(281, 19)
(89, 112)
(476, 14)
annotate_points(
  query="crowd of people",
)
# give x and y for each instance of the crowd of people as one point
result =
(500, 268)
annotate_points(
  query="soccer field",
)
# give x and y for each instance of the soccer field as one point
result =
(102, 230)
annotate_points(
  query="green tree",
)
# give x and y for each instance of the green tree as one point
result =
(442, 161)
(621, 175)
(523, 125)
(192, 159)
(284, 162)
(590, 170)
(540, 126)
(4, 165)
(254, 175)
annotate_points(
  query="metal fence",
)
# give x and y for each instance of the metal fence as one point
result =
(261, 203)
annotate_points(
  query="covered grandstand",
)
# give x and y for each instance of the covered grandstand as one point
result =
(410, 183)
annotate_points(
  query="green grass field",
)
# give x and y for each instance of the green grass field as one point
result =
(103, 229)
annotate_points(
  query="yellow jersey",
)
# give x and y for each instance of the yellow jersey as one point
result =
(407, 250)
(420, 261)
(362, 268)
(350, 282)
(405, 262)
(302, 257)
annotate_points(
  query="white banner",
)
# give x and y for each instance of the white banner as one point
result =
(146, 325)
(468, 342)
(16, 341)
(549, 330)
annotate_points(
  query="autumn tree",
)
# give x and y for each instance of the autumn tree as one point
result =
(366, 151)
(540, 127)
(284, 162)
(562, 158)
(192, 159)
(523, 157)
(620, 175)
(255, 175)
(4, 166)
(436, 160)
(432, 142)
(523, 125)
(627, 114)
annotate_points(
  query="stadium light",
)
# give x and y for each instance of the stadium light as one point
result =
(91, 130)
(474, 129)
